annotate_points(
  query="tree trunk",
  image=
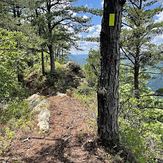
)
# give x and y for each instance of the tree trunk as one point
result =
(136, 70)
(52, 60)
(20, 75)
(42, 62)
(136, 80)
(108, 86)
(50, 45)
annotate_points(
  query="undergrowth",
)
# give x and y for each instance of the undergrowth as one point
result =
(140, 130)
(14, 116)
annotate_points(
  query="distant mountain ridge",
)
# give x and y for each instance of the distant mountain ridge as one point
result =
(78, 58)
(154, 84)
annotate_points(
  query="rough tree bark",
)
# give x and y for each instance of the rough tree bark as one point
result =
(108, 86)
(136, 80)
(50, 43)
(42, 61)
(17, 14)
(52, 59)
(137, 70)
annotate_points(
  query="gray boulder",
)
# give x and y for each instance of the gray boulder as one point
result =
(43, 120)
(39, 105)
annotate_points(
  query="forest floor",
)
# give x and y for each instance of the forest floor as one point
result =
(71, 138)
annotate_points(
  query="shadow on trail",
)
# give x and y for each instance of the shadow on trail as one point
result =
(53, 152)
(63, 150)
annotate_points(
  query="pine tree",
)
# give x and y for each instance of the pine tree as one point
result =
(54, 19)
(108, 96)
(137, 46)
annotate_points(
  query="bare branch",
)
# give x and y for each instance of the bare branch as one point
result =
(127, 56)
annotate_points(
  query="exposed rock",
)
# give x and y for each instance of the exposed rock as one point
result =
(61, 94)
(40, 105)
(33, 97)
(43, 120)
(69, 92)
(34, 100)
(1, 106)
(44, 104)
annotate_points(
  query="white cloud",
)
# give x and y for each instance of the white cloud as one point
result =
(85, 46)
(94, 31)
(159, 17)
(74, 14)
(158, 39)
(102, 3)
(85, 17)
(86, 5)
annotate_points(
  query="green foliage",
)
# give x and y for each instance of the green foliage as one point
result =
(14, 115)
(140, 119)
(92, 68)
(12, 61)
(5, 139)
(67, 76)
(139, 50)
(132, 139)
(159, 91)
(9, 87)
(15, 110)
(143, 139)
(84, 89)
(141, 124)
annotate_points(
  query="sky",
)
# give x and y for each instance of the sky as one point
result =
(94, 29)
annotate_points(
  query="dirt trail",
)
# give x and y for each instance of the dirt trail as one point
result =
(68, 141)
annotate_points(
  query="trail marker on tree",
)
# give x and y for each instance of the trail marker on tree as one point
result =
(111, 19)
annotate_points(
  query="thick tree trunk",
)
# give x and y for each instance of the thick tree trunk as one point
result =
(136, 81)
(52, 60)
(108, 96)
(136, 71)
(42, 62)
(50, 41)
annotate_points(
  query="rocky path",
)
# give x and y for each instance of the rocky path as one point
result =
(69, 139)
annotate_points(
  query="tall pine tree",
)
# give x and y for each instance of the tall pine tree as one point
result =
(137, 46)
(108, 96)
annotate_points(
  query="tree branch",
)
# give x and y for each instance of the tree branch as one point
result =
(127, 55)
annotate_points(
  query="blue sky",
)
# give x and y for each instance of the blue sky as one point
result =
(95, 28)
(89, 4)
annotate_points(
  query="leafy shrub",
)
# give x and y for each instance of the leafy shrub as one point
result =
(15, 110)
(5, 139)
(74, 68)
(9, 86)
(92, 68)
(159, 91)
(144, 141)
(140, 124)
(13, 116)
(84, 89)
(10, 63)
(68, 76)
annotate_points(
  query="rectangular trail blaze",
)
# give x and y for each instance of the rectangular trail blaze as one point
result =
(111, 20)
